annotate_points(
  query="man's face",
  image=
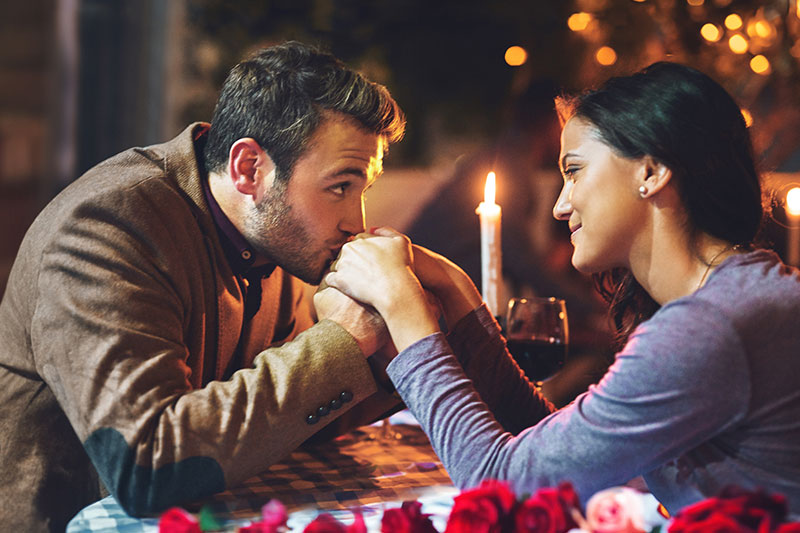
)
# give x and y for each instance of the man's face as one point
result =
(301, 225)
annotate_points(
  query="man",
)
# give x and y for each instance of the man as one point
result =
(154, 328)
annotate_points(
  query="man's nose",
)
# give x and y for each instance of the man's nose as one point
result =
(563, 207)
(353, 220)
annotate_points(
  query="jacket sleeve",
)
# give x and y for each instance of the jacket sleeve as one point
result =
(109, 334)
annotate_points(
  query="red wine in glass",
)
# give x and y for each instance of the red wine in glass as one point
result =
(540, 359)
(537, 335)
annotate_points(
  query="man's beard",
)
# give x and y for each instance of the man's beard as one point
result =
(278, 236)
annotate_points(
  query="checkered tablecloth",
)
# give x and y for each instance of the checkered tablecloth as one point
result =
(354, 471)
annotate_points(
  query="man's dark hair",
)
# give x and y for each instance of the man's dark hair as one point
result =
(279, 96)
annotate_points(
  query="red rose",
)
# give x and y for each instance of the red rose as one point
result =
(481, 510)
(407, 519)
(325, 523)
(176, 520)
(548, 511)
(748, 511)
(538, 515)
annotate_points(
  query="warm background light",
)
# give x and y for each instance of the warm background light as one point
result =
(737, 44)
(764, 29)
(748, 117)
(760, 64)
(793, 201)
(516, 56)
(733, 21)
(606, 56)
(579, 21)
(695, 2)
(710, 32)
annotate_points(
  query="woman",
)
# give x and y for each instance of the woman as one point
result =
(662, 197)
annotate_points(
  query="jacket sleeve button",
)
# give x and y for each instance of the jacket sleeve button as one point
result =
(335, 404)
(312, 419)
(323, 410)
(346, 396)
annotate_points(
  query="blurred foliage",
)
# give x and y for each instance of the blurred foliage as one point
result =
(443, 59)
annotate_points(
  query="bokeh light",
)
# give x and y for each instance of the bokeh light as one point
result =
(748, 117)
(516, 56)
(738, 44)
(695, 3)
(760, 64)
(606, 56)
(579, 21)
(733, 21)
(710, 32)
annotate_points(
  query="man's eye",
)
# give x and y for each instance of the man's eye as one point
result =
(340, 188)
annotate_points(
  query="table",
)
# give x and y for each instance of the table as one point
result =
(350, 472)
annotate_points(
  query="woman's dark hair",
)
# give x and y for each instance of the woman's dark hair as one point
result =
(688, 122)
(278, 97)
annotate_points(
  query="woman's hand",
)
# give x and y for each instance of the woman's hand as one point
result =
(377, 269)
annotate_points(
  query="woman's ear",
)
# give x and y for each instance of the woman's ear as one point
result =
(250, 168)
(656, 176)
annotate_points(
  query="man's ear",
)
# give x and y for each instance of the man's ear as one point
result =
(250, 168)
(656, 175)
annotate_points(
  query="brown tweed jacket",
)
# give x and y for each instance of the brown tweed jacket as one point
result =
(118, 331)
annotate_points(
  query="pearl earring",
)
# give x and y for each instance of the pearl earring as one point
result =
(642, 191)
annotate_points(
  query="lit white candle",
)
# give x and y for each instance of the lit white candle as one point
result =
(491, 253)
(793, 221)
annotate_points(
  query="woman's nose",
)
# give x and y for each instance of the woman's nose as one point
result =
(563, 207)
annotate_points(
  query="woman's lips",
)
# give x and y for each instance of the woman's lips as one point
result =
(574, 230)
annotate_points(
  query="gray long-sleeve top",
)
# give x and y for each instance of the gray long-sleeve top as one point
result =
(705, 394)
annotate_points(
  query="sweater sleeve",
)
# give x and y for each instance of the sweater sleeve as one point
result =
(668, 391)
(477, 342)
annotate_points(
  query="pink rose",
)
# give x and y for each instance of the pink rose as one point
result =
(616, 510)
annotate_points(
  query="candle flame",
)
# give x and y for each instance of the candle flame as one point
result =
(793, 201)
(489, 189)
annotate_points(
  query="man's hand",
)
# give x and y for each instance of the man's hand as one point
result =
(362, 322)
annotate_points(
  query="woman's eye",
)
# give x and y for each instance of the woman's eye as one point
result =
(569, 173)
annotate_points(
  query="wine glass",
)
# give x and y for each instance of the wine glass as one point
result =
(537, 334)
